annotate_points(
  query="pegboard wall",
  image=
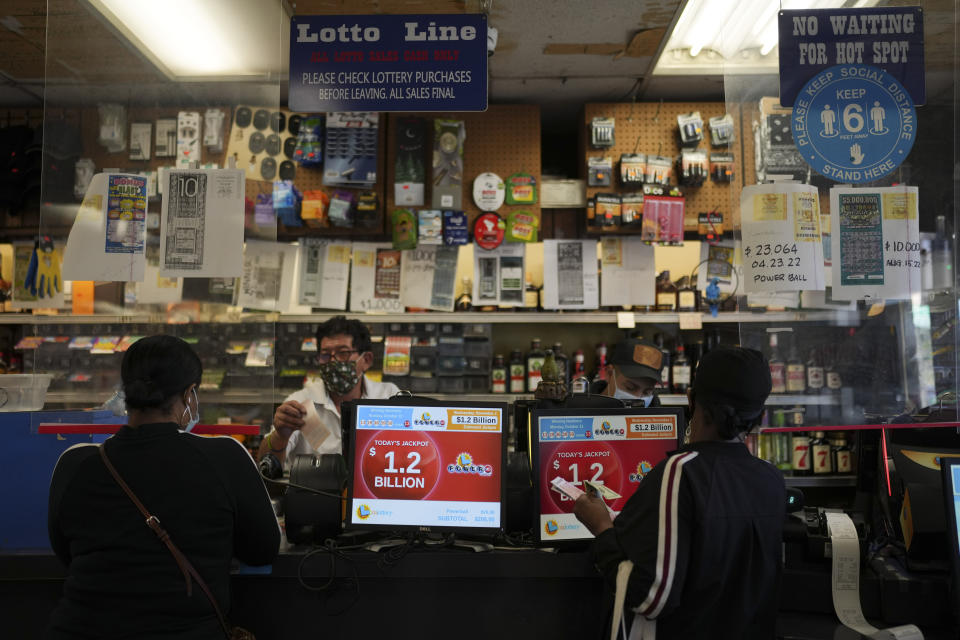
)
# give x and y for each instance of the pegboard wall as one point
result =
(651, 128)
(504, 139)
(306, 178)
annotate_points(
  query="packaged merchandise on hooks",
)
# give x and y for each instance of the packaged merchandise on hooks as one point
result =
(633, 167)
(722, 130)
(693, 167)
(351, 148)
(691, 129)
(600, 171)
(602, 133)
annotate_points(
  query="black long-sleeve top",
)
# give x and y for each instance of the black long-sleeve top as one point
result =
(704, 531)
(122, 581)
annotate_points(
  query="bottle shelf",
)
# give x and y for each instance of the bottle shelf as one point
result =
(265, 396)
(839, 318)
(778, 400)
(271, 396)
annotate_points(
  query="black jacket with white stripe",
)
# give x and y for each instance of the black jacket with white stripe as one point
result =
(704, 531)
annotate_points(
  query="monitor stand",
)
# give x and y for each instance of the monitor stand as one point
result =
(430, 540)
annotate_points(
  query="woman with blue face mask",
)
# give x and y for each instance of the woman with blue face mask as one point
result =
(206, 493)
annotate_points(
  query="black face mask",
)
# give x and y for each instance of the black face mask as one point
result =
(339, 377)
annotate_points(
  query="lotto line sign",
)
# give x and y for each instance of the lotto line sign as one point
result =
(890, 38)
(854, 123)
(388, 63)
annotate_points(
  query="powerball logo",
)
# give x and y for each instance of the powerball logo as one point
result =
(426, 420)
(643, 468)
(465, 464)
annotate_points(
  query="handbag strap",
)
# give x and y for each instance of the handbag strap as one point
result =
(186, 568)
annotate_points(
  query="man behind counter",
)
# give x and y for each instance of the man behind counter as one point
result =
(632, 373)
(344, 355)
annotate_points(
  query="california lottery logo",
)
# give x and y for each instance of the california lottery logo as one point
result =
(551, 527)
(643, 468)
(363, 512)
(426, 420)
(465, 464)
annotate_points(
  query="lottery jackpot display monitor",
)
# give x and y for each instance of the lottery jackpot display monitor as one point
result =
(613, 447)
(427, 467)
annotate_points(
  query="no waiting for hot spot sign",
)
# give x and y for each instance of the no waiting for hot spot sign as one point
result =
(889, 38)
(388, 63)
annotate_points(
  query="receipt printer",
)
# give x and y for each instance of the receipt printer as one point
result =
(807, 540)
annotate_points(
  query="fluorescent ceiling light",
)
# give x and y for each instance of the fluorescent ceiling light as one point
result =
(714, 37)
(203, 39)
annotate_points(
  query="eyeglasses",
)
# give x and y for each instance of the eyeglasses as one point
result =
(341, 355)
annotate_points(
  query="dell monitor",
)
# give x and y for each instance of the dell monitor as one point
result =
(426, 466)
(614, 447)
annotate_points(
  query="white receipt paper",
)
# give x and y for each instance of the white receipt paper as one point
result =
(846, 582)
(629, 272)
(201, 230)
(324, 273)
(570, 274)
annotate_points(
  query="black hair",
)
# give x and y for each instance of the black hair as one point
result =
(157, 368)
(729, 421)
(342, 326)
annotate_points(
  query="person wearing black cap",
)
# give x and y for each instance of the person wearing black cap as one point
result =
(632, 373)
(695, 553)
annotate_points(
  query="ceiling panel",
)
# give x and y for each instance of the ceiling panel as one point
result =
(549, 51)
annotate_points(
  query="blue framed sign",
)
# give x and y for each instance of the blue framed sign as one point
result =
(890, 38)
(388, 63)
(854, 123)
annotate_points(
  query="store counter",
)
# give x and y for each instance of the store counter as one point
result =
(426, 593)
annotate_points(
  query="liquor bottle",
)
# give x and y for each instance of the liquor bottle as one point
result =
(578, 375)
(800, 444)
(666, 293)
(663, 385)
(783, 458)
(563, 362)
(832, 376)
(465, 300)
(778, 369)
(518, 372)
(801, 453)
(601, 372)
(796, 371)
(821, 454)
(680, 371)
(842, 456)
(695, 353)
(815, 376)
(498, 375)
(534, 359)
(688, 298)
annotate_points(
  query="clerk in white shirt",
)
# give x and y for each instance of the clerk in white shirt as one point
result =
(308, 421)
